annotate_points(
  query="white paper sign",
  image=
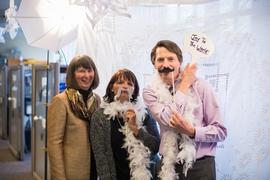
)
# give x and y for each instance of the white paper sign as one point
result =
(198, 45)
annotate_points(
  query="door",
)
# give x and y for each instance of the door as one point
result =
(16, 110)
(3, 101)
(40, 97)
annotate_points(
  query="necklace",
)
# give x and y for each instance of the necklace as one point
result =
(121, 125)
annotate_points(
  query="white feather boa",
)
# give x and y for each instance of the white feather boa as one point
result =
(138, 154)
(178, 148)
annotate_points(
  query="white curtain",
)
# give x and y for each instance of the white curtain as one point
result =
(238, 69)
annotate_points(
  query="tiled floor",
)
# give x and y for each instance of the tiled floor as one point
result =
(12, 169)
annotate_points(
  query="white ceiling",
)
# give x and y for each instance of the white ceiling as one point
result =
(156, 2)
(4, 4)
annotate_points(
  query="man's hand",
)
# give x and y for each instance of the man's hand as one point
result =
(182, 125)
(188, 78)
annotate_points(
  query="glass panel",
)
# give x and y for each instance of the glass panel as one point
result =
(15, 112)
(39, 133)
(39, 113)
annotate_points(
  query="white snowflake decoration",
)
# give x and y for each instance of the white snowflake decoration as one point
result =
(11, 24)
(97, 9)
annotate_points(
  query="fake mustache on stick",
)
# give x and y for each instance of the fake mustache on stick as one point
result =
(122, 90)
(165, 70)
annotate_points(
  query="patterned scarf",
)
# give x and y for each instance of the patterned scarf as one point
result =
(78, 106)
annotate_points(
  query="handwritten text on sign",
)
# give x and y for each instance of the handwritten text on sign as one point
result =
(199, 45)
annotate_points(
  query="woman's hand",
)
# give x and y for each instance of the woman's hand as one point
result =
(130, 118)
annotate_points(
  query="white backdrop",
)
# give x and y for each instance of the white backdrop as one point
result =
(238, 70)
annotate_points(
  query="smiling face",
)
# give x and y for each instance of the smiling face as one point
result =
(84, 77)
(123, 89)
(166, 59)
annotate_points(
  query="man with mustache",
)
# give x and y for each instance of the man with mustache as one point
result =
(188, 114)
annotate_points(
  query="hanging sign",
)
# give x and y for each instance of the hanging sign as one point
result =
(198, 45)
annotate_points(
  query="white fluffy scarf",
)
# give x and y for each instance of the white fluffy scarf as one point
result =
(138, 154)
(178, 148)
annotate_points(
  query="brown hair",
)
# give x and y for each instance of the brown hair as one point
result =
(170, 46)
(85, 62)
(125, 74)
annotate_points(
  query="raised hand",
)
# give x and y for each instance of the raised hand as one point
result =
(130, 118)
(188, 78)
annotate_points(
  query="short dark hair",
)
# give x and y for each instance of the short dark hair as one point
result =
(125, 74)
(85, 62)
(170, 46)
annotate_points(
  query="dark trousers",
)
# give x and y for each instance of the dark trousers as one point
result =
(203, 169)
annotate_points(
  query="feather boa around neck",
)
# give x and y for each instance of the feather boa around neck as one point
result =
(138, 154)
(178, 148)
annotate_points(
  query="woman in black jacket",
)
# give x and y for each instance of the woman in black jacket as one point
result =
(124, 137)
